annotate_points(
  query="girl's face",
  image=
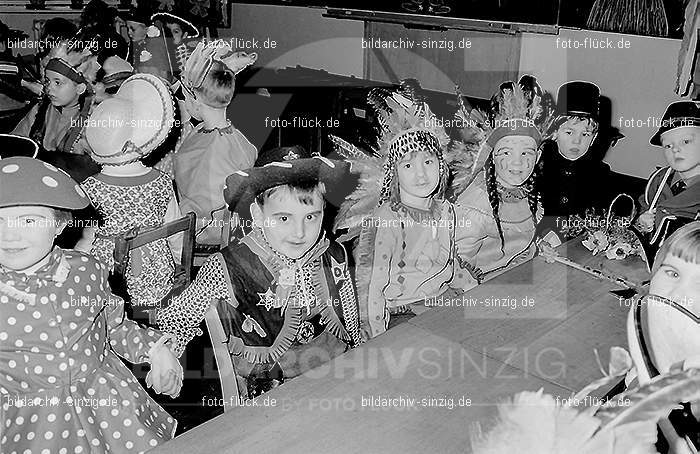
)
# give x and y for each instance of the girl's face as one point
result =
(27, 234)
(62, 91)
(419, 176)
(136, 30)
(679, 281)
(515, 158)
(176, 32)
(574, 137)
(682, 149)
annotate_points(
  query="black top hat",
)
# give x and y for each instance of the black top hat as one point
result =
(138, 14)
(579, 98)
(186, 26)
(678, 114)
(280, 166)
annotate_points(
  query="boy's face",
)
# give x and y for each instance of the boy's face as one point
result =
(291, 227)
(62, 91)
(27, 234)
(419, 175)
(682, 149)
(574, 137)
(679, 281)
(515, 158)
(136, 30)
(176, 32)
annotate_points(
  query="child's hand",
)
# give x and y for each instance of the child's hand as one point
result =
(166, 373)
(645, 222)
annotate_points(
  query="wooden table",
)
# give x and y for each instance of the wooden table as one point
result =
(444, 359)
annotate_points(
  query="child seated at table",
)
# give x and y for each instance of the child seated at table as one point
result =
(63, 335)
(672, 195)
(664, 334)
(569, 167)
(214, 149)
(406, 247)
(288, 301)
(502, 202)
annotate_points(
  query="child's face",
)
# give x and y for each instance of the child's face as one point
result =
(679, 281)
(574, 137)
(419, 175)
(682, 149)
(136, 30)
(62, 91)
(515, 158)
(176, 32)
(27, 234)
(291, 227)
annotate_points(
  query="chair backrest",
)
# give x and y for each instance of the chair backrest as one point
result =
(224, 363)
(136, 238)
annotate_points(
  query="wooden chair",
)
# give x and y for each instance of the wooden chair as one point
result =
(227, 372)
(136, 238)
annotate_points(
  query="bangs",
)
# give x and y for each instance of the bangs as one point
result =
(306, 194)
(684, 244)
(687, 247)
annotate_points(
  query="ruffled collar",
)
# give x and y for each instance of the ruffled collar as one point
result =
(55, 270)
(228, 129)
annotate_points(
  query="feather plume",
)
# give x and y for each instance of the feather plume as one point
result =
(652, 400)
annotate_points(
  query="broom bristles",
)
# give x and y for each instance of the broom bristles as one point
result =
(642, 17)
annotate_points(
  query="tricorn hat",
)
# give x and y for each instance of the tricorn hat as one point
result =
(280, 166)
(678, 115)
(29, 181)
(579, 98)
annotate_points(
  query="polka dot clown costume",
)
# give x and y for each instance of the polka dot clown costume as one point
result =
(127, 194)
(406, 229)
(63, 388)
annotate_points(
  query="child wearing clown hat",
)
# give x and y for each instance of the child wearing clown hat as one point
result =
(121, 132)
(62, 332)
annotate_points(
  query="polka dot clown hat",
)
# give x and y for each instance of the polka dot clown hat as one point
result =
(29, 181)
(133, 123)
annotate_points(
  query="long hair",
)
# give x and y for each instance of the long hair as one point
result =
(530, 187)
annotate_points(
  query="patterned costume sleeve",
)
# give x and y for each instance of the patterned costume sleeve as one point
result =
(186, 311)
(373, 274)
(127, 338)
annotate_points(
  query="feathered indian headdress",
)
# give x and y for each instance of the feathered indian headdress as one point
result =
(406, 125)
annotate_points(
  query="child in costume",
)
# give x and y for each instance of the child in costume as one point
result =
(147, 52)
(572, 181)
(663, 329)
(502, 202)
(56, 122)
(406, 247)
(284, 289)
(215, 148)
(182, 36)
(672, 195)
(121, 132)
(62, 384)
